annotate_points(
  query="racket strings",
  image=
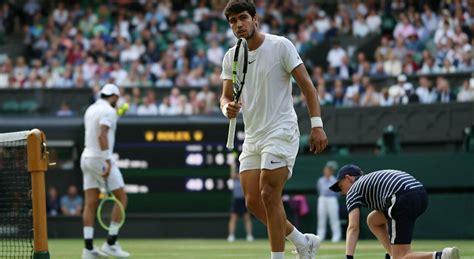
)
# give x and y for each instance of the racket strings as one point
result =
(241, 70)
(106, 212)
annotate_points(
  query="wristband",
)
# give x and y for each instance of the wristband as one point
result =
(224, 109)
(316, 122)
(349, 257)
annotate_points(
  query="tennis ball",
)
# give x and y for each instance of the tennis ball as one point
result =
(122, 109)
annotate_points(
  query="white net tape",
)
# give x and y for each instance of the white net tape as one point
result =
(14, 136)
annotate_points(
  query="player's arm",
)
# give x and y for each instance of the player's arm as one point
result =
(104, 147)
(229, 108)
(352, 234)
(318, 140)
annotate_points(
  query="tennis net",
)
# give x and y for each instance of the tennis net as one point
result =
(16, 220)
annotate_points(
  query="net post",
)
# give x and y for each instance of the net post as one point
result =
(37, 165)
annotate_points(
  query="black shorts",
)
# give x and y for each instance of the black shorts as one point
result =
(238, 206)
(404, 208)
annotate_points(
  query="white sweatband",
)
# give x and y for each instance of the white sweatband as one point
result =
(224, 109)
(316, 122)
(104, 154)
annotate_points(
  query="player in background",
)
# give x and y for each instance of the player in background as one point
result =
(238, 208)
(396, 199)
(328, 205)
(271, 129)
(98, 165)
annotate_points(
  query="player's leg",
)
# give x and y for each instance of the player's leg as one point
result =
(91, 170)
(250, 180)
(122, 197)
(333, 211)
(91, 201)
(116, 184)
(377, 223)
(231, 227)
(279, 152)
(271, 188)
(322, 217)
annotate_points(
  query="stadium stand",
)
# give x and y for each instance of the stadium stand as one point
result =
(179, 44)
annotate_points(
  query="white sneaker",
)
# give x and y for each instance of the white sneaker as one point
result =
(93, 254)
(114, 250)
(450, 253)
(231, 238)
(250, 238)
(311, 248)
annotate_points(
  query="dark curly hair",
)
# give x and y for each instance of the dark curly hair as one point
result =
(238, 6)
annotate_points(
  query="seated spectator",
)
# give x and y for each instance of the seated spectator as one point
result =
(215, 78)
(148, 108)
(196, 78)
(404, 28)
(371, 97)
(164, 81)
(64, 110)
(443, 33)
(52, 202)
(338, 93)
(184, 107)
(373, 21)
(392, 66)
(165, 107)
(71, 203)
(466, 94)
(345, 70)
(398, 92)
(359, 27)
(336, 55)
(428, 67)
(353, 92)
(385, 98)
(424, 91)
(447, 67)
(429, 18)
(444, 93)
(215, 54)
(325, 98)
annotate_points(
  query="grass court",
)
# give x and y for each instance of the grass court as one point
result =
(259, 249)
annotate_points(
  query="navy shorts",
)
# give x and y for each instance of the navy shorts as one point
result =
(404, 208)
(238, 206)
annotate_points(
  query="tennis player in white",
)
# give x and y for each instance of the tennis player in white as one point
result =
(98, 165)
(271, 128)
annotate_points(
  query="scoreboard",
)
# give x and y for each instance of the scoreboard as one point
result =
(174, 145)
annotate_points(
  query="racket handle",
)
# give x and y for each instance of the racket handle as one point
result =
(231, 134)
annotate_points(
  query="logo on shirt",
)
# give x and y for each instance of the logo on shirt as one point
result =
(274, 162)
(250, 62)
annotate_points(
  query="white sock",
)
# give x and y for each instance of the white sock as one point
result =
(114, 228)
(278, 255)
(88, 232)
(297, 238)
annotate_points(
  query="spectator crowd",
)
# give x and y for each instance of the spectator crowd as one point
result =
(147, 44)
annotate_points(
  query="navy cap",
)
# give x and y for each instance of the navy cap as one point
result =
(351, 170)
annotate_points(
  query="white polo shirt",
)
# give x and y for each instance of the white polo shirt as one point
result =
(267, 103)
(99, 113)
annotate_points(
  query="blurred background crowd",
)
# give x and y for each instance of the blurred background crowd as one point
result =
(179, 45)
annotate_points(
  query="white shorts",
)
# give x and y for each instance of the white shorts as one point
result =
(275, 150)
(92, 169)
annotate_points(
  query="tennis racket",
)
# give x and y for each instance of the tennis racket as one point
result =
(237, 84)
(108, 202)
